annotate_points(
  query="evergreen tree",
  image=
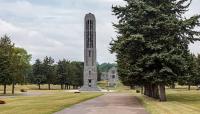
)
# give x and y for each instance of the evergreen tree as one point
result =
(38, 75)
(190, 76)
(104, 67)
(48, 70)
(152, 43)
(62, 72)
(76, 74)
(197, 80)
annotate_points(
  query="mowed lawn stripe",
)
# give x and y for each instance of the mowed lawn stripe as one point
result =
(180, 101)
(45, 104)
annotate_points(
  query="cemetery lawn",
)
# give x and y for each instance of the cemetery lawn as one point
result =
(180, 101)
(43, 104)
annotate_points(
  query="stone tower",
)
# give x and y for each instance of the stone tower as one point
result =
(90, 67)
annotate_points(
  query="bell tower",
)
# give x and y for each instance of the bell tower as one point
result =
(90, 66)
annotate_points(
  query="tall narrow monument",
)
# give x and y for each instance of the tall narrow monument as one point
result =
(90, 68)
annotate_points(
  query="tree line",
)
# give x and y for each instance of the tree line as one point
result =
(152, 45)
(104, 67)
(15, 68)
(192, 75)
(64, 73)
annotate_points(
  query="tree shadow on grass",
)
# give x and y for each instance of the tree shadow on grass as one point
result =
(184, 97)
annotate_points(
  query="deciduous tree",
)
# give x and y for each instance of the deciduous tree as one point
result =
(6, 49)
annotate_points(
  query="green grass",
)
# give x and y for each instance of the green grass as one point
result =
(31, 87)
(180, 101)
(44, 104)
(104, 85)
(48, 102)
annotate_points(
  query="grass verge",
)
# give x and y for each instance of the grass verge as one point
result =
(180, 101)
(44, 104)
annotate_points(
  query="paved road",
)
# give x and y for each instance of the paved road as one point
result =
(112, 103)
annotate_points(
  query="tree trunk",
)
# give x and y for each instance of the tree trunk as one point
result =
(132, 87)
(173, 86)
(162, 94)
(189, 87)
(151, 90)
(61, 86)
(49, 86)
(39, 86)
(146, 90)
(4, 90)
(142, 90)
(155, 91)
(13, 88)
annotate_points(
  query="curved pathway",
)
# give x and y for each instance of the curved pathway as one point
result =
(111, 103)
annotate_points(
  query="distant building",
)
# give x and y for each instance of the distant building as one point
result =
(111, 76)
(104, 76)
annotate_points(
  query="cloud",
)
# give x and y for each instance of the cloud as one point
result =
(194, 9)
(55, 28)
(52, 31)
(7, 27)
(36, 43)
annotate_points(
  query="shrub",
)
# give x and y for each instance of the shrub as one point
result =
(2, 102)
(23, 90)
(137, 91)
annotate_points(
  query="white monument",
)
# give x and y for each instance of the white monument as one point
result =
(90, 67)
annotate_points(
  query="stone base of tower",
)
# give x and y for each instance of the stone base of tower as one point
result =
(87, 88)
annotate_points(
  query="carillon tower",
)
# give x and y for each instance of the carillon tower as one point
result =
(90, 67)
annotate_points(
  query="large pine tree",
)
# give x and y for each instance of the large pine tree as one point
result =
(152, 42)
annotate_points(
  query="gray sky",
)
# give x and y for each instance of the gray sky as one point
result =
(55, 27)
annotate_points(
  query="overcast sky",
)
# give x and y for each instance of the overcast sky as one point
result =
(55, 27)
